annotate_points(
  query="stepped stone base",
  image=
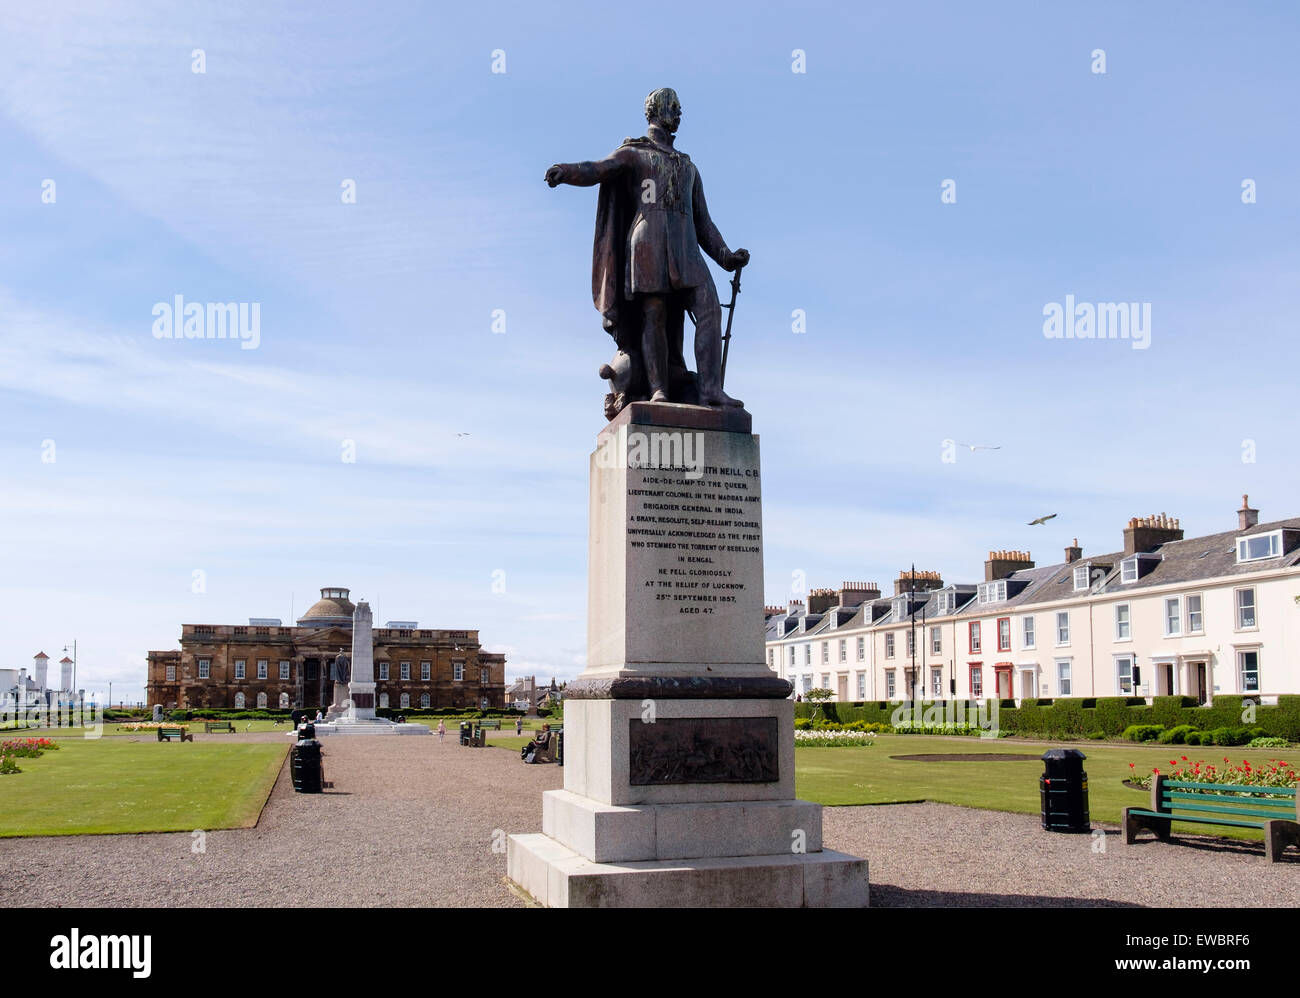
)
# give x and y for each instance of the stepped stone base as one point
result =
(605, 833)
(558, 877)
(371, 726)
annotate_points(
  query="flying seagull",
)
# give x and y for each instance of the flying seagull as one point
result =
(1042, 519)
(975, 447)
(462, 434)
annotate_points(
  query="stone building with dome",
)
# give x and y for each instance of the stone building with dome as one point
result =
(266, 664)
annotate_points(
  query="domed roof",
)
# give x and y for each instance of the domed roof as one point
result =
(332, 609)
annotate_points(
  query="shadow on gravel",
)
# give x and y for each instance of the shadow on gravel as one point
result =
(884, 896)
(1229, 847)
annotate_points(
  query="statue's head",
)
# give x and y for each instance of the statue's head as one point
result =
(662, 107)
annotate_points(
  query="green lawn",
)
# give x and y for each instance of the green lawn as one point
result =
(117, 729)
(92, 786)
(835, 776)
(507, 740)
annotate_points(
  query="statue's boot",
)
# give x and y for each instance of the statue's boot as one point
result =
(653, 352)
(716, 398)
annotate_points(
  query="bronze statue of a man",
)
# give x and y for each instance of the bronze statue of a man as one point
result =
(647, 271)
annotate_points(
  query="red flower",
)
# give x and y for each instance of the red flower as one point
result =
(1183, 757)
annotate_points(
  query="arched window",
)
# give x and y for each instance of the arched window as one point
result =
(284, 700)
(383, 699)
(239, 701)
(424, 699)
(261, 700)
(406, 699)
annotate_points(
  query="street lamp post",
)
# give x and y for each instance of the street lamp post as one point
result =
(911, 613)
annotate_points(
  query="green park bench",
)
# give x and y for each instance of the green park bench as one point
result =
(174, 735)
(211, 726)
(494, 725)
(1275, 810)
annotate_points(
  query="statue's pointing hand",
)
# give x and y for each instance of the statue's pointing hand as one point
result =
(739, 259)
(555, 175)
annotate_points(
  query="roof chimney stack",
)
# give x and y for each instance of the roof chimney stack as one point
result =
(821, 600)
(1146, 533)
(1000, 564)
(857, 593)
(925, 581)
(1073, 552)
(1246, 517)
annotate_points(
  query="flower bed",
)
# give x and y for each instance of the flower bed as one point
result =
(833, 739)
(28, 748)
(1274, 773)
(21, 748)
(152, 726)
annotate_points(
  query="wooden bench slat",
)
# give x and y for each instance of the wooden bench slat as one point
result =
(1216, 809)
(1279, 791)
(1282, 807)
(1204, 821)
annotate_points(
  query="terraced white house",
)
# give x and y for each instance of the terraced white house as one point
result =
(1164, 614)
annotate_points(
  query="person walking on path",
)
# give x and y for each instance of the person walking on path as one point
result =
(442, 731)
(519, 725)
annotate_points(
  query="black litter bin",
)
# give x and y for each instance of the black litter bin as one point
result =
(559, 747)
(304, 762)
(466, 733)
(1063, 791)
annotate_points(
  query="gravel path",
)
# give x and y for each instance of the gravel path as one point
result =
(409, 823)
(413, 823)
(939, 855)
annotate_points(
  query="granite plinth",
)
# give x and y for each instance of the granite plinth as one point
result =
(678, 739)
(556, 876)
(675, 556)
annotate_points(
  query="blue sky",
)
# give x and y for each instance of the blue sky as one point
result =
(924, 319)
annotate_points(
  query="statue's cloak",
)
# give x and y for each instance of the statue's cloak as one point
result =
(615, 211)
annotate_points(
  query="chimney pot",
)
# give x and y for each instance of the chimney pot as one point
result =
(1246, 517)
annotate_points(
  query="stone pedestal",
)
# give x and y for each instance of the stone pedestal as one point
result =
(678, 740)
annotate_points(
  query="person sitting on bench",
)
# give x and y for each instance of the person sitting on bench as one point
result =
(537, 746)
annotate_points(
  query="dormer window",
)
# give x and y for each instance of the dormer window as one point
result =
(1136, 566)
(993, 592)
(1259, 547)
(1081, 578)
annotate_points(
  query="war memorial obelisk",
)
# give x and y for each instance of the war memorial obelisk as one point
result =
(356, 714)
(678, 740)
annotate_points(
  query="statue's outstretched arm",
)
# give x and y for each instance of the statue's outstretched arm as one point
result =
(587, 174)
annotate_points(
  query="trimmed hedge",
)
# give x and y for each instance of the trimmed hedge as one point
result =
(1085, 716)
(227, 714)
